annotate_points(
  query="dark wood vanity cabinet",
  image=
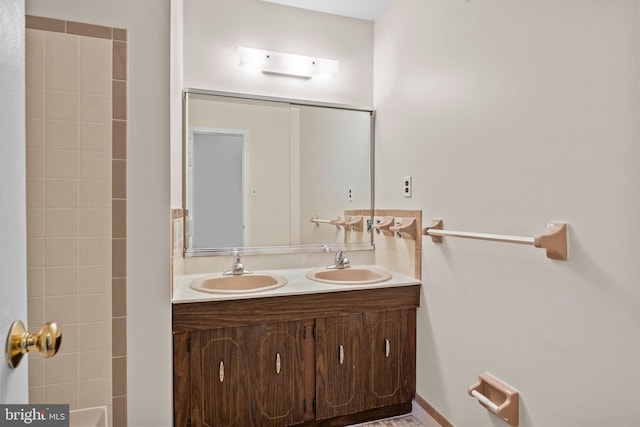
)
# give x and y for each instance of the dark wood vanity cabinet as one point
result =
(247, 373)
(325, 359)
(277, 365)
(219, 379)
(390, 350)
(340, 371)
(364, 361)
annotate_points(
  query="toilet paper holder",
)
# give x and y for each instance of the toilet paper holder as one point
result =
(498, 397)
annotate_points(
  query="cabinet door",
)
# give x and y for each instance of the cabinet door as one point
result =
(277, 374)
(339, 375)
(390, 344)
(219, 384)
(181, 378)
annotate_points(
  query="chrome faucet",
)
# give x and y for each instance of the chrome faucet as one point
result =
(237, 268)
(340, 261)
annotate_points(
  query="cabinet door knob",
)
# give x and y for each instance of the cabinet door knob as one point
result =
(341, 354)
(221, 371)
(277, 363)
(387, 347)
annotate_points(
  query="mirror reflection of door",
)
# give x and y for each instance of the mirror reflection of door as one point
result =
(300, 161)
(217, 166)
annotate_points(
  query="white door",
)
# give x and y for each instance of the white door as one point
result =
(217, 211)
(13, 247)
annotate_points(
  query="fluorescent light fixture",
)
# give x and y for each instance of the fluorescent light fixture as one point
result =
(287, 64)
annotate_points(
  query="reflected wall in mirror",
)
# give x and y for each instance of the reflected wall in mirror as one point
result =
(257, 170)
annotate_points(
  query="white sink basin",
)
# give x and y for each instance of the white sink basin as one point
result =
(238, 284)
(349, 276)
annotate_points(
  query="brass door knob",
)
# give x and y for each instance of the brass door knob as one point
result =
(21, 342)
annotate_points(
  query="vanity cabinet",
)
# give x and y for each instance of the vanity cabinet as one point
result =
(364, 361)
(219, 378)
(340, 370)
(390, 350)
(327, 359)
(247, 373)
(277, 366)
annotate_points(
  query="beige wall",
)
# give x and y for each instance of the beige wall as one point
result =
(508, 115)
(214, 29)
(148, 292)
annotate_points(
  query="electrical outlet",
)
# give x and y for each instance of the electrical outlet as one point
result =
(350, 194)
(407, 186)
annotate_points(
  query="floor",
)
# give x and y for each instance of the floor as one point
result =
(403, 421)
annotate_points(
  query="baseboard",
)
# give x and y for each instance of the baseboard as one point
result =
(433, 412)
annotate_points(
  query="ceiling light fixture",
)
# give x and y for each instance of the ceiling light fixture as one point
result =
(287, 64)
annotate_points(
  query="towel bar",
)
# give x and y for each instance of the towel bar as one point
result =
(316, 219)
(554, 241)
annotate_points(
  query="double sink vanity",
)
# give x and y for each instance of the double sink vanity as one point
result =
(322, 346)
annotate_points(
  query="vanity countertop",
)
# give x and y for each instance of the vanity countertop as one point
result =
(297, 284)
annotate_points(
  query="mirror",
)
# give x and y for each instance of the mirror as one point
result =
(257, 171)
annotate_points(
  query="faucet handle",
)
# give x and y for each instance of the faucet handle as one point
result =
(237, 268)
(340, 261)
